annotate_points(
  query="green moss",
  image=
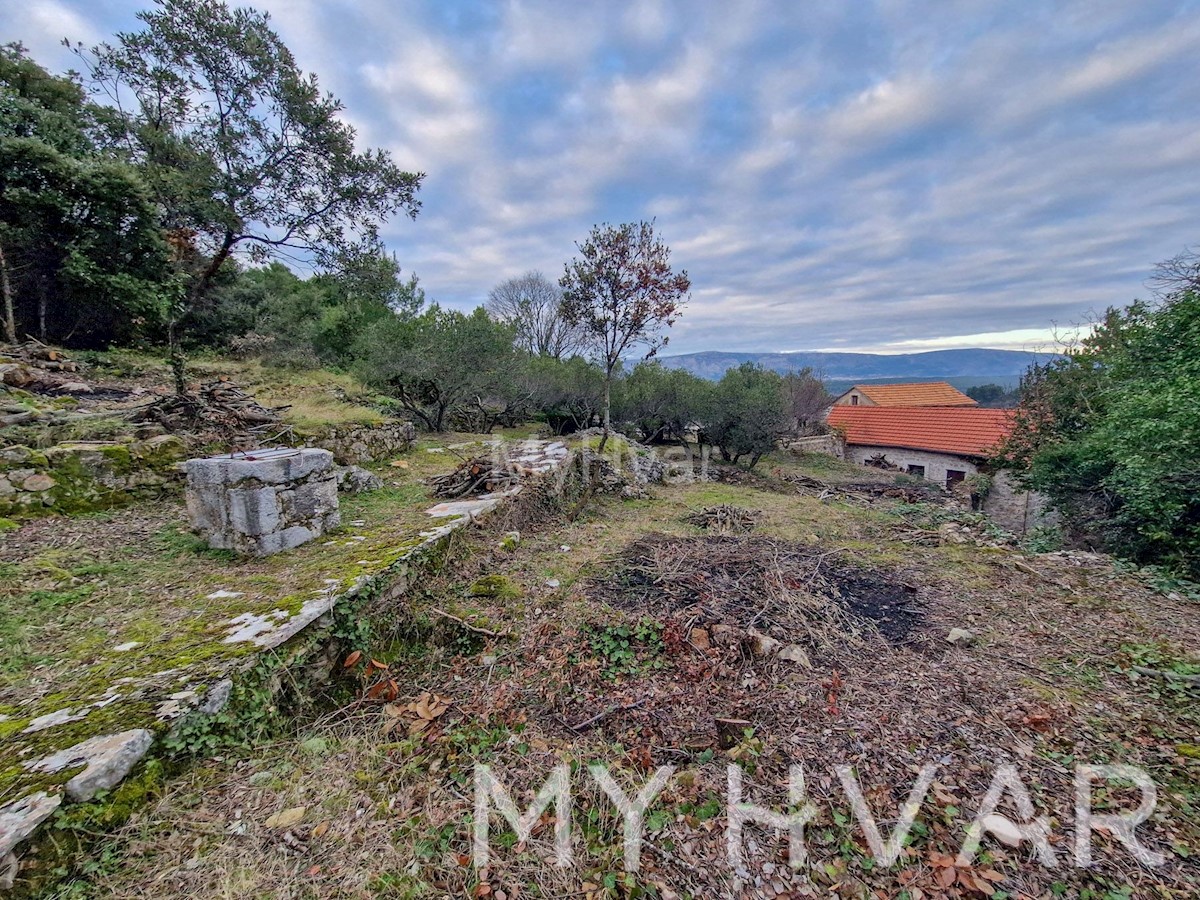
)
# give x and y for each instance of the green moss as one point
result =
(8, 525)
(495, 587)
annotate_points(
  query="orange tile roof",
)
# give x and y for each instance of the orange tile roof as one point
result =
(964, 431)
(933, 393)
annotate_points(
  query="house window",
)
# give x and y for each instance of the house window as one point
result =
(854, 399)
(916, 471)
(953, 477)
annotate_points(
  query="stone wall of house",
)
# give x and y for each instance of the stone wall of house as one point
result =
(81, 477)
(1014, 509)
(935, 464)
(1005, 503)
(356, 445)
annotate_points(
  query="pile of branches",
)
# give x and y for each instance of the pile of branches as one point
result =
(478, 475)
(866, 492)
(796, 592)
(219, 410)
(725, 519)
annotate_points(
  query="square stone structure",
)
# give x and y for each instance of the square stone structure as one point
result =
(260, 502)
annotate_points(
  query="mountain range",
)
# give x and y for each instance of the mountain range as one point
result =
(976, 364)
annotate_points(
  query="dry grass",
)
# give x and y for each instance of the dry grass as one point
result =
(388, 800)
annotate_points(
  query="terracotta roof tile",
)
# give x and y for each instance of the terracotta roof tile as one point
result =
(933, 393)
(965, 431)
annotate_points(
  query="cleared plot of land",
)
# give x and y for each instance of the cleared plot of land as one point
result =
(624, 637)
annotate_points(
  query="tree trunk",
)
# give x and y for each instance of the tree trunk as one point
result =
(179, 309)
(607, 409)
(10, 320)
(42, 304)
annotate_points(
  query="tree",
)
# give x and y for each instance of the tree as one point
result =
(567, 393)
(242, 149)
(662, 403)
(622, 293)
(441, 363)
(748, 414)
(82, 260)
(532, 304)
(806, 397)
(1108, 432)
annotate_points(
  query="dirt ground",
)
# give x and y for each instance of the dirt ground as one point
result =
(635, 638)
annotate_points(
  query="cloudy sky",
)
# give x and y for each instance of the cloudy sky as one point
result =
(879, 176)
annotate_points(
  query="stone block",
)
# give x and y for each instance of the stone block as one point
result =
(264, 501)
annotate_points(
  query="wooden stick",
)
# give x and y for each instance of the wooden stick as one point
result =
(608, 712)
(467, 625)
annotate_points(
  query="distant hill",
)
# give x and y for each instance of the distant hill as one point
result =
(976, 365)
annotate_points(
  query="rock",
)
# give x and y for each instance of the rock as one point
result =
(217, 697)
(951, 533)
(107, 760)
(20, 818)
(797, 654)
(38, 483)
(58, 717)
(287, 818)
(553, 583)
(510, 541)
(15, 374)
(6, 487)
(75, 387)
(762, 644)
(698, 638)
(1002, 830)
(725, 635)
(961, 636)
(357, 480)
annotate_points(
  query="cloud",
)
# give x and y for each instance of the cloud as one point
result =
(894, 175)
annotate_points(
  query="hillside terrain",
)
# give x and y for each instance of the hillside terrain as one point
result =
(999, 366)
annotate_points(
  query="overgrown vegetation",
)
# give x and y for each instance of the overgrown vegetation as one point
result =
(1110, 430)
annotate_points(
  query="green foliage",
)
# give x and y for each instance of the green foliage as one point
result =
(748, 413)
(79, 232)
(1109, 433)
(567, 394)
(661, 403)
(627, 649)
(445, 365)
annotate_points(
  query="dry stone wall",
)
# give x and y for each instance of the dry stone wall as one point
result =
(80, 477)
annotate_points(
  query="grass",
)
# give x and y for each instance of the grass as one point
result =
(388, 797)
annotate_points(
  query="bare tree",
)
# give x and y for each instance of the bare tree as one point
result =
(621, 291)
(532, 304)
(1177, 275)
(806, 397)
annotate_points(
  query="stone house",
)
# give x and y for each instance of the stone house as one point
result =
(945, 444)
(927, 393)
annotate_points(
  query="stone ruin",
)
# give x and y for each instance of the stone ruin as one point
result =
(260, 502)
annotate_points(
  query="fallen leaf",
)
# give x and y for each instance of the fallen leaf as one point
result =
(320, 830)
(399, 463)
(287, 818)
(352, 659)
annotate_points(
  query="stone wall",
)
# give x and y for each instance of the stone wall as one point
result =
(832, 444)
(354, 445)
(81, 477)
(1017, 510)
(1011, 508)
(935, 464)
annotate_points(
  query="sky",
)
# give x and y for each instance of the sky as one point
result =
(878, 176)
